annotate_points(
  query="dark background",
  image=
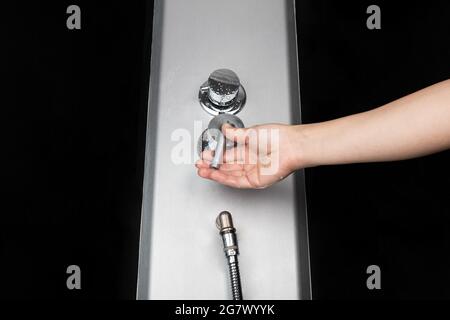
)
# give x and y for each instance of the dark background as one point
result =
(394, 215)
(73, 128)
(73, 135)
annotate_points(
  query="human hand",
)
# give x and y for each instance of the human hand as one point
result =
(412, 126)
(263, 155)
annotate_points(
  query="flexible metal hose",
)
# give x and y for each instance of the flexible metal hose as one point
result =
(224, 223)
(235, 279)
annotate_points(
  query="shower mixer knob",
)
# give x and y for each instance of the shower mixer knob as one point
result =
(223, 87)
(218, 121)
(214, 140)
(222, 93)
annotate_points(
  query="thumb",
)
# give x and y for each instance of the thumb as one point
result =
(240, 135)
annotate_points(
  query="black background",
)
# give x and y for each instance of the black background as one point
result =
(73, 128)
(394, 215)
(73, 135)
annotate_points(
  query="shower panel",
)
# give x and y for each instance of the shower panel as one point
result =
(181, 256)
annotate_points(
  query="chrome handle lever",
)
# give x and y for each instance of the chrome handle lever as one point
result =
(214, 140)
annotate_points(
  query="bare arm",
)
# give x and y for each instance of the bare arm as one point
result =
(415, 125)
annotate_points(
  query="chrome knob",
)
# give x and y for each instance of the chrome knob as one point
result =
(223, 87)
(213, 139)
(222, 93)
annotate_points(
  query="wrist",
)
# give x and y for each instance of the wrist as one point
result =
(307, 146)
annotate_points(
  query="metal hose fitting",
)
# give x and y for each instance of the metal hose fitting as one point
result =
(224, 223)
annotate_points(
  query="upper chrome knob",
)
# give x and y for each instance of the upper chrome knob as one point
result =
(223, 87)
(222, 93)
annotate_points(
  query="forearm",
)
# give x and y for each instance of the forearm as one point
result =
(412, 126)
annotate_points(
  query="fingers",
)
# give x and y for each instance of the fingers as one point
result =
(232, 167)
(207, 155)
(202, 164)
(224, 167)
(229, 174)
(235, 179)
(235, 154)
(240, 135)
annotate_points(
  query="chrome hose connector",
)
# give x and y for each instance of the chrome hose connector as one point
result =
(224, 223)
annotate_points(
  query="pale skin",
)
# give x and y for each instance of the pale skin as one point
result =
(412, 126)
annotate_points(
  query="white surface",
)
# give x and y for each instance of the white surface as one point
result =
(186, 257)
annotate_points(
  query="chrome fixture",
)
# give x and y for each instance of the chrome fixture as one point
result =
(222, 93)
(224, 223)
(213, 139)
